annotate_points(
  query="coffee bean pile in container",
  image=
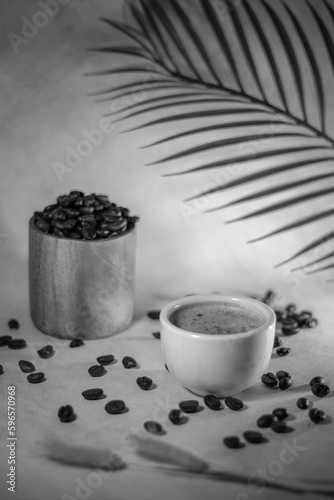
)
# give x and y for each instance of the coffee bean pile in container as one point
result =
(84, 217)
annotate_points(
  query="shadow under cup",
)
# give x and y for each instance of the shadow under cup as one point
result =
(223, 365)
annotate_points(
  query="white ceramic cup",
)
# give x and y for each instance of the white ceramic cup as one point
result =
(223, 365)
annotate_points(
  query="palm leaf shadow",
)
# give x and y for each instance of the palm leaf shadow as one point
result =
(166, 34)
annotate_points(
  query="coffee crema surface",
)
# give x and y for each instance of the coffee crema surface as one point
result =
(216, 318)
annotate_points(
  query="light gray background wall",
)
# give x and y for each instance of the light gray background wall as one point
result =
(45, 109)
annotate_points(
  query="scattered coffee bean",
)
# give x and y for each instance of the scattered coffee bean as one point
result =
(266, 420)
(268, 297)
(317, 380)
(317, 416)
(233, 442)
(76, 343)
(290, 331)
(66, 413)
(175, 416)
(1, 370)
(311, 323)
(4, 340)
(303, 317)
(129, 362)
(115, 407)
(13, 324)
(277, 342)
(106, 359)
(92, 394)
(269, 379)
(97, 371)
(212, 402)
(155, 314)
(153, 427)
(234, 404)
(281, 373)
(189, 405)
(280, 427)
(285, 383)
(280, 413)
(156, 335)
(291, 308)
(46, 352)
(26, 366)
(253, 437)
(320, 390)
(36, 378)
(17, 344)
(283, 351)
(303, 403)
(144, 383)
(279, 315)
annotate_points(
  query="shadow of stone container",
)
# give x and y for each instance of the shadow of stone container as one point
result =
(79, 288)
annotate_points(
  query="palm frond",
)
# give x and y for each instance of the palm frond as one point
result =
(189, 71)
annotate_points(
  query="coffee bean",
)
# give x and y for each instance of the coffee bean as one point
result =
(75, 236)
(303, 317)
(66, 413)
(234, 404)
(92, 394)
(76, 343)
(280, 413)
(277, 342)
(71, 213)
(175, 416)
(42, 225)
(86, 210)
(116, 226)
(102, 233)
(26, 366)
(311, 323)
(189, 405)
(291, 308)
(106, 359)
(13, 324)
(290, 331)
(281, 373)
(4, 340)
(269, 379)
(320, 390)
(212, 402)
(76, 193)
(156, 335)
(280, 427)
(129, 362)
(88, 232)
(78, 202)
(69, 224)
(89, 200)
(283, 351)
(144, 383)
(36, 378)
(253, 437)
(17, 344)
(317, 416)
(268, 297)
(317, 380)
(153, 427)
(266, 420)
(98, 207)
(155, 314)
(279, 315)
(303, 403)
(58, 214)
(114, 407)
(97, 371)
(285, 383)
(109, 217)
(58, 232)
(46, 352)
(232, 442)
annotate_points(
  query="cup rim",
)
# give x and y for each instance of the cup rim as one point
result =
(212, 297)
(100, 240)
